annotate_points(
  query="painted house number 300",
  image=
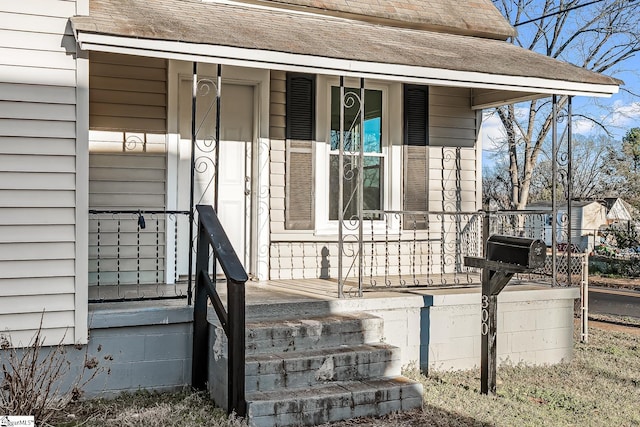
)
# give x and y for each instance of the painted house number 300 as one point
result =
(485, 314)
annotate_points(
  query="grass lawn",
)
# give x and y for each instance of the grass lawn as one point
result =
(600, 387)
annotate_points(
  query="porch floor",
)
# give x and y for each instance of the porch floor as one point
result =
(295, 290)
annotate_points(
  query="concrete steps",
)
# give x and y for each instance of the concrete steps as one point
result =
(311, 333)
(314, 370)
(274, 371)
(332, 402)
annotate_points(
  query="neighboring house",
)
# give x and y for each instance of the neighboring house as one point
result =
(619, 211)
(587, 217)
(96, 118)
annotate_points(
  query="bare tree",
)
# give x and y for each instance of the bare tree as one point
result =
(599, 37)
(495, 187)
(590, 172)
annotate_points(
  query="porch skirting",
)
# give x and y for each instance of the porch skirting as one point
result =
(147, 345)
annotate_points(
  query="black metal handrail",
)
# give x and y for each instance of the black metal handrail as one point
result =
(212, 234)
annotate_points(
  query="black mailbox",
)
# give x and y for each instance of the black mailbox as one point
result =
(528, 253)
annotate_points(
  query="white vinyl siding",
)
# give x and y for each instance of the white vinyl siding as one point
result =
(453, 130)
(127, 93)
(127, 167)
(38, 169)
(277, 155)
(452, 122)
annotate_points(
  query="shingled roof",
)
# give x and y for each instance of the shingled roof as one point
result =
(236, 33)
(466, 17)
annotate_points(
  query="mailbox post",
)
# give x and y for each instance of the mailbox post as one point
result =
(504, 257)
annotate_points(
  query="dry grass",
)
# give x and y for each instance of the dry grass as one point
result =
(145, 409)
(600, 387)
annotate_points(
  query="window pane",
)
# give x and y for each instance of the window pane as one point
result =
(372, 120)
(373, 185)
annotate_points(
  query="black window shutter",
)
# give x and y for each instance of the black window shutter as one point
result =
(300, 133)
(416, 158)
(416, 132)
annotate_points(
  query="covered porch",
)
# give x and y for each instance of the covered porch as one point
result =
(203, 116)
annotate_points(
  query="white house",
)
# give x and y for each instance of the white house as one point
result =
(587, 217)
(619, 211)
(98, 149)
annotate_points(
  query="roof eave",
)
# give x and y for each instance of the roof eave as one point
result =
(532, 87)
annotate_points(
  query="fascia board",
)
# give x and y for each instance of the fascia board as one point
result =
(263, 59)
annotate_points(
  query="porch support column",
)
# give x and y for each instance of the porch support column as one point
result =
(194, 95)
(361, 190)
(554, 174)
(569, 188)
(217, 155)
(341, 193)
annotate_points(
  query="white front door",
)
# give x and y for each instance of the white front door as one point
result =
(235, 164)
(236, 140)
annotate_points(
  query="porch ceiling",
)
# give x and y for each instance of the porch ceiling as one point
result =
(256, 36)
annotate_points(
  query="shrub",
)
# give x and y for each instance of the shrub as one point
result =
(33, 378)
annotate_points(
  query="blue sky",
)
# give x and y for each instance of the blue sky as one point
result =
(619, 113)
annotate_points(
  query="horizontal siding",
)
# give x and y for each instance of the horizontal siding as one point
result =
(452, 122)
(37, 111)
(51, 303)
(277, 158)
(37, 146)
(128, 160)
(38, 180)
(98, 96)
(45, 8)
(122, 84)
(36, 286)
(30, 251)
(45, 94)
(37, 128)
(127, 167)
(120, 252)
(453, 178)
(34, 23)
(108, 122)
(36, 76)
(127, 181)
(127, 201)
(37, 216)
(36, 163)
(36, 233)
(29, 41)
(37, 169)
(37, 268)
(36, 198)
(53, 319)
(142, 174)
(33, 58)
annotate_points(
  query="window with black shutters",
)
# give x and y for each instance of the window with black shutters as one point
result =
(300, 134)
(416, 159)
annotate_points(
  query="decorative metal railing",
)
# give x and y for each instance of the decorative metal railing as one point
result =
(402, 249)
(133, 255)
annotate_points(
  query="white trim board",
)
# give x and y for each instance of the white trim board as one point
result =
(263, 59)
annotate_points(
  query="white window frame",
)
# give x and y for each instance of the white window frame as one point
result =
(391, 153)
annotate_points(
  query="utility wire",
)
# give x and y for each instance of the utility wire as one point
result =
(560, 11)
